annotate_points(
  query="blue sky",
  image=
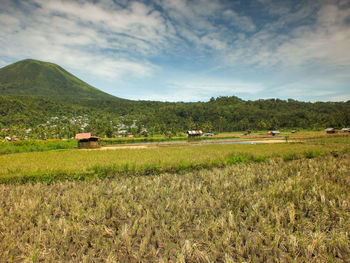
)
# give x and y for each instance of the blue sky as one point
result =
(188, 50)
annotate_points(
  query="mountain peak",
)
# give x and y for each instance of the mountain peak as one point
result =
(35, 77)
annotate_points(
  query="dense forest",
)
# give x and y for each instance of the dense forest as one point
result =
(105, 117)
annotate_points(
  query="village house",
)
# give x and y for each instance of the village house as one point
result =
(273, 133)
(194, 133)
(330, 130)
(85, 140)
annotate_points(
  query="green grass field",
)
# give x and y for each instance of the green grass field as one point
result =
(57, 144)
(284, 202)
(80, 164)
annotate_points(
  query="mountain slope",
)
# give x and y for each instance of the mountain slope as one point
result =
(29, 110)
(33, 77)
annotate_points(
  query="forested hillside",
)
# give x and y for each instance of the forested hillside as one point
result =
(231, 114)
(220, 114)
(35, 93)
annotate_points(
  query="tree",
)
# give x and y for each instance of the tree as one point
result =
(262, 125)
(190, 124)
(207, 127)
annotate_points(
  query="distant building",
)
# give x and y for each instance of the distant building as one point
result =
(85, 140)
(122, 132)
(345, 130)
(330, 130)
(273, 133)
(194, 133)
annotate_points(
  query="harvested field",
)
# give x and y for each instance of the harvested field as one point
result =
(273, 211)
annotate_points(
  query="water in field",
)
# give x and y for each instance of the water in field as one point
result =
(210, 141)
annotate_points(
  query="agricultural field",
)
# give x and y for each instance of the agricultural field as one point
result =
(84, 164)
(200, 203)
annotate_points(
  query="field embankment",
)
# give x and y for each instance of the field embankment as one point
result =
(277, 210)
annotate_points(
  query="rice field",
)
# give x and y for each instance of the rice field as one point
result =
(274, 211)
(284, 202)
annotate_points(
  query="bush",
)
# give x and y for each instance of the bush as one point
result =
(291, 156)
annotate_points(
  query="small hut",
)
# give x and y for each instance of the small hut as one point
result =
(330, 130)
(85, 140)
(346, 130)
(273, 133)
(194, 133)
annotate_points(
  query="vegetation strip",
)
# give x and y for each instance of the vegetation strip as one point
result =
(57, 144)
(84, 165)
(113, 141)
(111, 171)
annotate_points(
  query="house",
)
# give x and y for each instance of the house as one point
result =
(273, 133)
(85, 140)
(194, 133)
(122, 132)
(330, 130)
(345, 130)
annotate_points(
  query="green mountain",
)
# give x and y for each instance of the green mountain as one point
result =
(33, 77)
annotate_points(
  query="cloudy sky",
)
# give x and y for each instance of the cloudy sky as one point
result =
(188, 50)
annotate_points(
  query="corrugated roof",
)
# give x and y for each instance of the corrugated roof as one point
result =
(194, 132)
(80, 136)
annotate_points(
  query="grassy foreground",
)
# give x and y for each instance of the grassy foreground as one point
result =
(36, 146)
(84, 164)
(274, 211)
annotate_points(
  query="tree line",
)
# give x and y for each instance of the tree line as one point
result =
(220, 114)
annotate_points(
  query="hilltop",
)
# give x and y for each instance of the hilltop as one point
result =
(34, 77)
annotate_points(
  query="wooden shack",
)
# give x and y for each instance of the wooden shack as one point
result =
(330, 130)
(273, 133)
(85, 140)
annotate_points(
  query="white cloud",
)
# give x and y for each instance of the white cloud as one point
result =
(340, 97)
(124, 41)
(78, 36)
(323, 44)
(242, 22)
(202, 90)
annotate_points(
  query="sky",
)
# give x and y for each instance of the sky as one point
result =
(188, 50)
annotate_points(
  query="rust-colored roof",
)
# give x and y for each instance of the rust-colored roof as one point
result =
(194, 132)
(80, 136)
